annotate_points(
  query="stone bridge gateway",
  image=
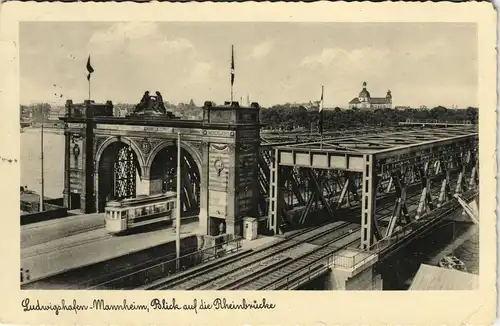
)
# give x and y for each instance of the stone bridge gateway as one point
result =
(108, 157)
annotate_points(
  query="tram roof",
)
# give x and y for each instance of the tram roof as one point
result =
(141, 199)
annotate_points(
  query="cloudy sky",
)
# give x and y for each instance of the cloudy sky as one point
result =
(421, 63)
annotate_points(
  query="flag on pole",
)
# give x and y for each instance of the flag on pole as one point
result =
(89, 68)
(321, 112)
(232, 65)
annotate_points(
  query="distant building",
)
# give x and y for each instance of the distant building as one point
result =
(56, 113)
(120, 112)
(365, 101)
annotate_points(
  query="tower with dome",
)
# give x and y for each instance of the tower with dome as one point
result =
(365, 101)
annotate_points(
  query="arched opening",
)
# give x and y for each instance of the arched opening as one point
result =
(163, 177)
(118, 174)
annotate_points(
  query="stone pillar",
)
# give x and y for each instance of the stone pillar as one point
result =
(87, 198)
(204, 224)
(232, 218)
(144, 187)
(96, 189)
(228, 177)
(359, 277)
(85, 174)
(67, 167)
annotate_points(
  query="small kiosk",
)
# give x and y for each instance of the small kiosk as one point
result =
(250, 225)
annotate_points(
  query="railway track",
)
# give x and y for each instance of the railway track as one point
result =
(262, 282)
(306, 265)
(206, 275)
(270, 258)
(255, 272)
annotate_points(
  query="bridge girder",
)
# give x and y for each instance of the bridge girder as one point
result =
(381, 163)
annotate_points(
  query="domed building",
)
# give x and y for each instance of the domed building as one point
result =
(365, 101)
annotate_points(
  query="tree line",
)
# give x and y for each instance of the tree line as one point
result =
(289, 117)
(293, 117)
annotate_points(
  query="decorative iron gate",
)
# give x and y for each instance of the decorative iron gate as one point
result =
(125, 177)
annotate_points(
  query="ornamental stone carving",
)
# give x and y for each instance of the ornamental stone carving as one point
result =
(245, 147)
(219, 147)
(219, 166)
(198, 146)
(98, 142)
(145, 146)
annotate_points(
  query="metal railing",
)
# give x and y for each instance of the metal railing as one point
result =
(300, 277)
(336, 259)
(167, 268)
(437, 121)
(314, 269)
(416, 226)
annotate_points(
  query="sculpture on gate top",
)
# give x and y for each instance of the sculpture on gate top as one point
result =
(151, 105)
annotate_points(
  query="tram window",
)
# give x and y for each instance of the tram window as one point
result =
(168, 206)
(124, 214)
(138, 212)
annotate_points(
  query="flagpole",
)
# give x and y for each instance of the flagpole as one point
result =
(42, 193)
(232, 71)
(178, 205)
(90, 70)
(321, 117)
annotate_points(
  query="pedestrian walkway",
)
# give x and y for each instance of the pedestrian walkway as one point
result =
(37, 233)
(66, 255)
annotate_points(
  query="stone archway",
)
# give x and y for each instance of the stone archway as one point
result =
(118, 171)
(162, 165)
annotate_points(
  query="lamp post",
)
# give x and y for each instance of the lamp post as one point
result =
(178, 205)
(42, 192)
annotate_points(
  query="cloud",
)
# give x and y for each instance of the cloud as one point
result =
(352, 59)
(201, 72)
(261, 50)
(325, 58)
(136, 38)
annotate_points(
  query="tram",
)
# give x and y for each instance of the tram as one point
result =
(126, 214)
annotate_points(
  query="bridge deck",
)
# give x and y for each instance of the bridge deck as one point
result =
(42, 232)
(57, 256)
(346, 152)
(294, 260)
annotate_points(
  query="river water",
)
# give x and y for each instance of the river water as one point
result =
(459, 238)
(53, 161)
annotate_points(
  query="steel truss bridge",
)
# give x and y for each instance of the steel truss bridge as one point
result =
(392, 177)
(374, 189)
